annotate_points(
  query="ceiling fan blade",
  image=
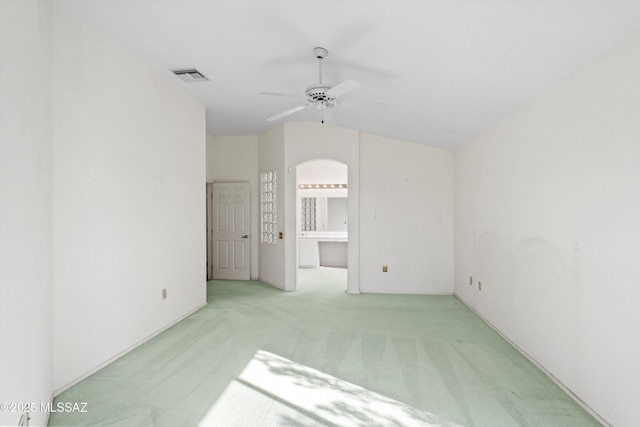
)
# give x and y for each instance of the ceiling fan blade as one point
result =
(288, 95)
(342, 88)
(353, 103)
(288, 112)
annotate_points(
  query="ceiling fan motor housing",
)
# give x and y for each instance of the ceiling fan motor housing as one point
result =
(317, 94)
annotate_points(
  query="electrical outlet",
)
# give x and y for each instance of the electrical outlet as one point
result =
(384, 268)
(470, 280)
(164, 293)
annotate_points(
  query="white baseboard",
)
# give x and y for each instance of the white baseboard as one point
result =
(396, 292)
(273, 285)
(122, 353)
(564, 388)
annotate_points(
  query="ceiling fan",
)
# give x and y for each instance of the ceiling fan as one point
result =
(322, 95)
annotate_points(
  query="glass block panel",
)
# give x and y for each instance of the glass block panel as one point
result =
(308, 213)
(268, 198)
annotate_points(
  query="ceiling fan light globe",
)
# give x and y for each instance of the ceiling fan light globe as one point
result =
(322, 104)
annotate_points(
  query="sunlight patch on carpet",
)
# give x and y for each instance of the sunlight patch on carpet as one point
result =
(274, 391)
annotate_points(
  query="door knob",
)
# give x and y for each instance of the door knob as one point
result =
(246, 236)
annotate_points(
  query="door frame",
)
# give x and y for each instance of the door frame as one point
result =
(242, 234)
(352, 285)
(209, 229)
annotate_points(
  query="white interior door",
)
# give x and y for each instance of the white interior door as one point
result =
(231, 231)
(209, 231)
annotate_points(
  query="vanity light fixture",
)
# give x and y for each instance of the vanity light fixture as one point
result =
(322, 186)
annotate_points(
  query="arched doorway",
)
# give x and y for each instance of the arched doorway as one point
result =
(322, 227)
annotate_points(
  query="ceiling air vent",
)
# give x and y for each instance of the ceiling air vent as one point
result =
(190, 76)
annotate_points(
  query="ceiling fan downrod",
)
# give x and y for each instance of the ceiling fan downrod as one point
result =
(321, 103)
(320, 53)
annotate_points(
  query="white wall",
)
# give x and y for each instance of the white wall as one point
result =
(396, 189)
(406, 217)
(271, 157)
(547, 211)
(25, 206)
(235, 158)
(306, 141)
(322, 172)
(128, 201)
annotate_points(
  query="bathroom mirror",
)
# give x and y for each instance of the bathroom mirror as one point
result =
(324, 214)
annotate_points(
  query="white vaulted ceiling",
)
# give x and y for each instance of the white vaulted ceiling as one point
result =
(446, 69)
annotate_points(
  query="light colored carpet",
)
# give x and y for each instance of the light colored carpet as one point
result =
(428, 354)
(283, 392)
(322, 280)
